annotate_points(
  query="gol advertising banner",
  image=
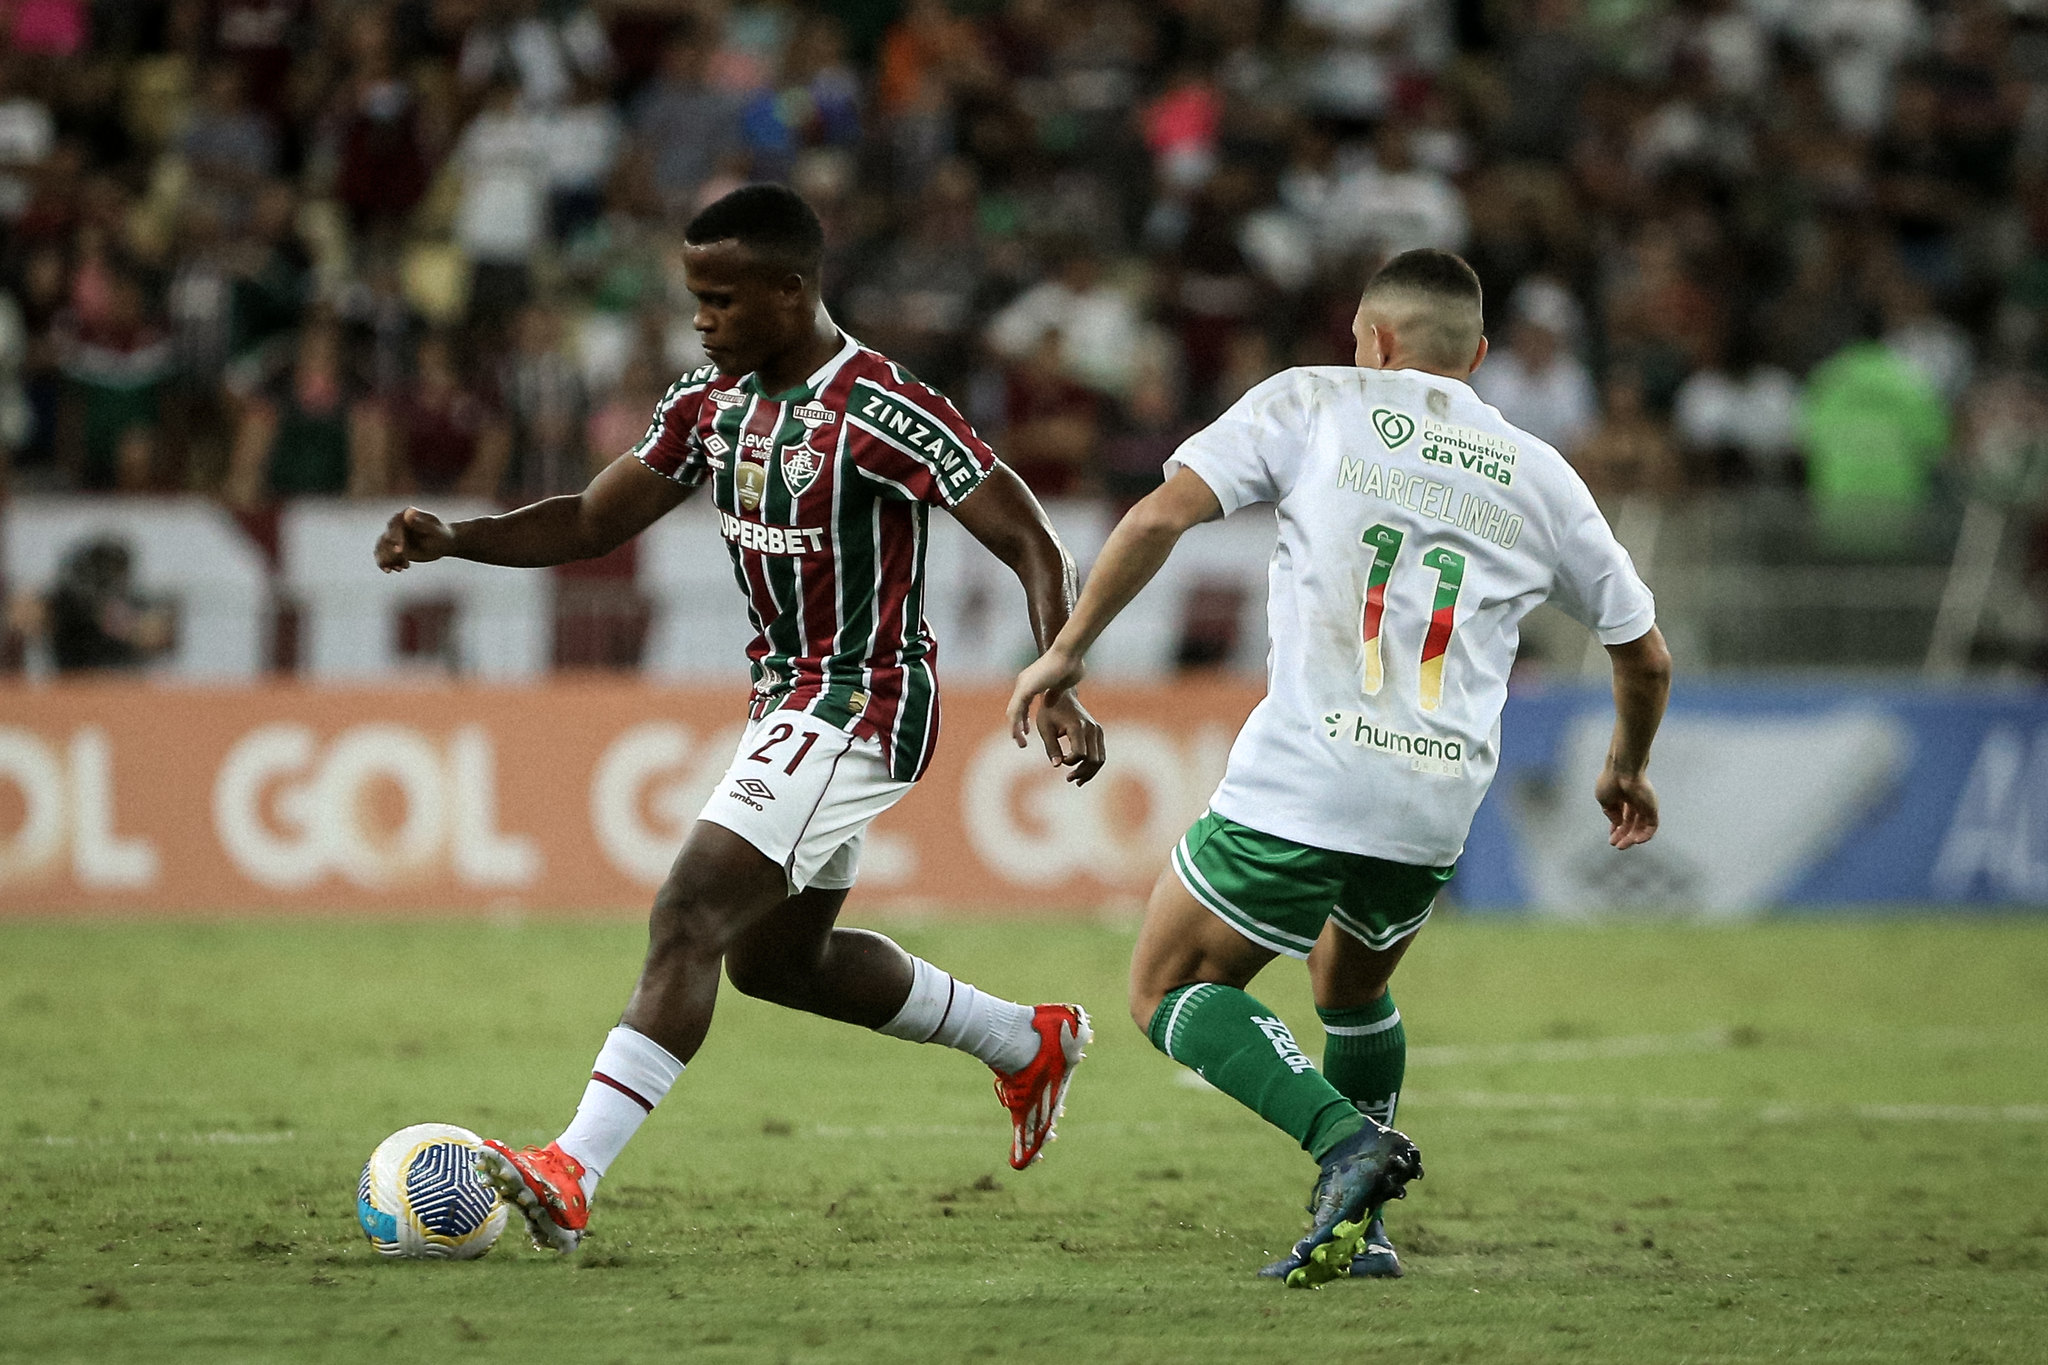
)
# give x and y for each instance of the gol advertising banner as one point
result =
(569, 796)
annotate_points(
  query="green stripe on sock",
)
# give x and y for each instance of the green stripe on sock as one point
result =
(1243, 1049)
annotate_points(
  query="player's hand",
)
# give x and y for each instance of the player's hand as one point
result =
(1052, 673)
(1631, 806)
(413, 537)
(1072, 738)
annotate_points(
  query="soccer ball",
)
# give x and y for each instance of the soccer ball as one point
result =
(421, 1198)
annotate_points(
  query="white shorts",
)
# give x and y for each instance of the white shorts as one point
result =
(803, 792)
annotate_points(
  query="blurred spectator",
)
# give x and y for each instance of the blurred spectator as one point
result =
(115, 359)
(1052, 423)
(502, 219)
(1146, 428)
(1631, 453)
(584, 138)
(1859, 43)
(1739, 423)
(814, 103)
(1182, 126)
(229, 147)
(927, 53)
(1545, 69)
(1939, 349)
(51, 28)
(1535, 380)
(16, 420)
(539, 49)
(1363, 48)
(1091, 325)
(94, 617)
(617, 424)
(380, 148)
(1873, 428)
(272, 273)
(686, 128)
(443, 436)
(28, 133)
(305, 432)
(915, 299)
(543, 396)
(263, 37)
(1392, 203)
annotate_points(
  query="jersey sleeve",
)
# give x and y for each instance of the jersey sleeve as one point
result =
(1250, 453)
(918, 446)
(670, 446)
(1597, 584)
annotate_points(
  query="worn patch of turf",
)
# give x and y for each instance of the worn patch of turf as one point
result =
(1797, 1141)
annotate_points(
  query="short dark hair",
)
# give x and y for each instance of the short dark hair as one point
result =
(773, 221)
(1438, 299)
(1427, 270)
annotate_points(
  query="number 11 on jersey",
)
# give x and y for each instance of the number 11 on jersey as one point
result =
(1450, 578)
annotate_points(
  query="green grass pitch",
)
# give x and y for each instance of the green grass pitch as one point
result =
(1797, 1141)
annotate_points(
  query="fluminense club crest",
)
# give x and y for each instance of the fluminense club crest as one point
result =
(800, 466)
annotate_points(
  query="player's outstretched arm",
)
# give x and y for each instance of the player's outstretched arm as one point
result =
(1004, 516)
(622, 501)
(1642, 684)
(1129, 559)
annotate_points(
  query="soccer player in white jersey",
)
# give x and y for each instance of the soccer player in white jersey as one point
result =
(1417, 528)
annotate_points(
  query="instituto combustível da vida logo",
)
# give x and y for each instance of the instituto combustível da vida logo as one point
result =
(1394, 427)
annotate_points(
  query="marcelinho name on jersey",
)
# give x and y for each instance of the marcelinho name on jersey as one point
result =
(1425, 753)
(1483, 517)
(771, 540)
(1470, 449)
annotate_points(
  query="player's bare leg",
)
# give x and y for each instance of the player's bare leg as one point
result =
(719, 885)
(1187, 980)
(1365, 1051)
(799, 957)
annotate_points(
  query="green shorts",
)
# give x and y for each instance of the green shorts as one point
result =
(1279, 894)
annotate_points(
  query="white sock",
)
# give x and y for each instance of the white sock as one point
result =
(955, 1014)
(631, 1075)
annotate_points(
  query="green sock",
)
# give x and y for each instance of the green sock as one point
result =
(1365, 1054)
(1241, 1047)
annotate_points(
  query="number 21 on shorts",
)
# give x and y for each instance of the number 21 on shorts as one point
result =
(1450, 577)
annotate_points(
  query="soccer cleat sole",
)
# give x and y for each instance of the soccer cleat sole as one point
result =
(1330, 1261)
(506, 1178)
(1083, 1036)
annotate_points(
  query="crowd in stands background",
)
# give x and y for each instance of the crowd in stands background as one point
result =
(262, 248)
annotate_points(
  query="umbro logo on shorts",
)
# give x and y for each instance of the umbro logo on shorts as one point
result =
(751, 791)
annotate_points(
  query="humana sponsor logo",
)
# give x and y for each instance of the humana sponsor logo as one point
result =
(1425, 753)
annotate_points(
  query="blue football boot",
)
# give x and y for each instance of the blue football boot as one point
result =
(1359, 1174)
(1376, 1259)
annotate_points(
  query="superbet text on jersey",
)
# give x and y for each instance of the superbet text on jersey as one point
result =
(823, 495)
(1417, 528)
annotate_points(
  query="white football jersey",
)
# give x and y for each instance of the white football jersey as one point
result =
(1417, 529)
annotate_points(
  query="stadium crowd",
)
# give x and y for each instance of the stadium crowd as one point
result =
(260, 248)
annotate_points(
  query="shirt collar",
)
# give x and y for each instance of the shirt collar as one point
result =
(819, 377)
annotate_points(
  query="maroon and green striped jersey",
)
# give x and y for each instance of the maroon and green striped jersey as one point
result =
(823, 494)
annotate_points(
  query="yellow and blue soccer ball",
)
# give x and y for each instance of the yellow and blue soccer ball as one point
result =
(420, 1196)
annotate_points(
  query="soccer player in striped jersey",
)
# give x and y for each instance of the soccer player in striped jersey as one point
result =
(824, 460)
(1417, 528)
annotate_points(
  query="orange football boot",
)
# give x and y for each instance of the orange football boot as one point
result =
(1037, 1094)
(545, 1184)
